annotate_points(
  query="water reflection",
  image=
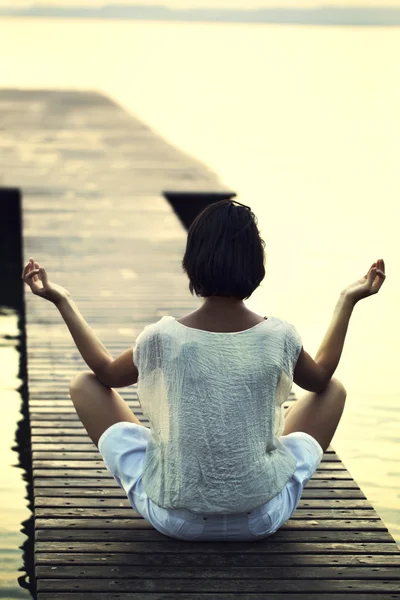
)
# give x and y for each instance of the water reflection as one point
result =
(16, 497)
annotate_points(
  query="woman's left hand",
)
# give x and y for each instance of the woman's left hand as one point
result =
(37, 279)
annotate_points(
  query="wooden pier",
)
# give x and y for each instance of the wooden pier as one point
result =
(92, 179)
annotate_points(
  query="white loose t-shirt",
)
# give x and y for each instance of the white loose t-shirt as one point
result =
(214, 405)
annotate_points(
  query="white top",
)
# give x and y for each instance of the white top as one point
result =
(214, 405)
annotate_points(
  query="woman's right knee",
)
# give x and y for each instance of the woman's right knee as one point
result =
(318, 413)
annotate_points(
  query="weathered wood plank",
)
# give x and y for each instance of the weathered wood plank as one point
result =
(78, 432)
(215, 552)
(342, 572)
(221, 585)
(217, 560)
(60, 439)
(211, 596)
(65, 424)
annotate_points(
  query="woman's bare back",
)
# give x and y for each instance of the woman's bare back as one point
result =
(217, 322)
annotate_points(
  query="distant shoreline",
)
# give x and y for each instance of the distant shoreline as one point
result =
(208, 21)
(352, 16)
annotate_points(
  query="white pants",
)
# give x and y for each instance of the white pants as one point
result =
(125, 443)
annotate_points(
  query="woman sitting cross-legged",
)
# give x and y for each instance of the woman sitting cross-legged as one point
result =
(221, 460)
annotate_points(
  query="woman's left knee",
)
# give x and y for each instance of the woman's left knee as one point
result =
(80, 380)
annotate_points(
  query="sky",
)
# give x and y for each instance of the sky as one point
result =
(235, 4)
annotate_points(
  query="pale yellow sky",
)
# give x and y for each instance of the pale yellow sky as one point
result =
(208, 3)
(276, 3)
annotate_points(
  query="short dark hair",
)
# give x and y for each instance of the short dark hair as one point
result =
(224, 253)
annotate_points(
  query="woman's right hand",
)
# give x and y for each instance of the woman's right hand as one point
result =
(368, 285)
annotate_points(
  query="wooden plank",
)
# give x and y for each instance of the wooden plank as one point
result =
(59, 439)
(221, 585)
(217, 552)
(211, 596)
(74, 433)
(342, 572)
(217, 560)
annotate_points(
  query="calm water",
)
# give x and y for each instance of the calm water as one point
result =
(14, 508)
(303, 123)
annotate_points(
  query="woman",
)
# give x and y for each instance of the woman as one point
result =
(220, 460)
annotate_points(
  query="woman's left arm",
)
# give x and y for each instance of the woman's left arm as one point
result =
(112, 373)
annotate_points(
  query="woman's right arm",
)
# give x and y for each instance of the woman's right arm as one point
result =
(330, 350)
(314, 375)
